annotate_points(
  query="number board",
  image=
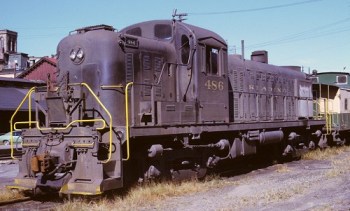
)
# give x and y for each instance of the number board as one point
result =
(131, 42)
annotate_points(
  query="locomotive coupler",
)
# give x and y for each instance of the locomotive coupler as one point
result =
(43, 163)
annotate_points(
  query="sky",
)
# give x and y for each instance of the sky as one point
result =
(314, 34)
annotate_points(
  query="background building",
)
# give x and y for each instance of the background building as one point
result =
(12, 63)
(8, 45)
(40, 70)
(12, 91)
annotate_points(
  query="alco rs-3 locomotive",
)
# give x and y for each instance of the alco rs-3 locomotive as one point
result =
(158, 98)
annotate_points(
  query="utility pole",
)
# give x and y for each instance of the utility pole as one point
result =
(242, 44)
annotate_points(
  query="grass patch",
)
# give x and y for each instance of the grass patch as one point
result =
(325, 154)
(340, 166)
(147, 196)
(337, 155)
(272, 195)
(6, 194)
(282, 168)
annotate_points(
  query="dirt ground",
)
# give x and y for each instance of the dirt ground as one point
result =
(298, 185)
(8, 170)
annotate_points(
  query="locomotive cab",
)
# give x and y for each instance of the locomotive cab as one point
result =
(174, 86)
(202, 80)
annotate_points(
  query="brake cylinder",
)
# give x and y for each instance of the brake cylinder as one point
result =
(270, 137)
(265, 138)
(34, 164)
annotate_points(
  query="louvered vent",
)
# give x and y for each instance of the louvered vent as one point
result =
(235, 80)
(241, 81)
(146, 62)
(158, 64)
(235, 105)
(129, 67)
(147, 88)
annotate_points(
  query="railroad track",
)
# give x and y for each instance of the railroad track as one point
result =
(49, 202)
(45, 202)
(5, 153)
(27, 203)
(13, 201)
(8, 157)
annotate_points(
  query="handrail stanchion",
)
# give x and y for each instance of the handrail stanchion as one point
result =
(127, 130)
(29, 93)
(110, 123)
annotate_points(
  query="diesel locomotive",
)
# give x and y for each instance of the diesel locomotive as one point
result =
(331, 96)
(157, 99)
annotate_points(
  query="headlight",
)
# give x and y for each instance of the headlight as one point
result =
(80, 54)
(73, 55)
(77, 55)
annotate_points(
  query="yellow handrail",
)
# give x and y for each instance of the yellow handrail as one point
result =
(112, 86)
(12, 126)
(316, 110)
(62, 128)
(329, 118)
(127, 131)
(29, 93)
(110, 123)
(30, 109)
(127, 121)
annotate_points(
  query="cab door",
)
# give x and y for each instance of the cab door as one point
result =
(213, 83)
(186, 76)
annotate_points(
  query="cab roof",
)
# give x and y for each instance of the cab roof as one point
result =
(163, 30)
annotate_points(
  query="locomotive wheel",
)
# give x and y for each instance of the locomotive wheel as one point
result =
(188, 174)
(201, 173)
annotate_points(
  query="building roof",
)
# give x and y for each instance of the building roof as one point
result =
(333, 73)
(19, 83)
(19, 53)
(11, 97)
(12, 91)
(332, 78)
(51, 61)
(6, 31)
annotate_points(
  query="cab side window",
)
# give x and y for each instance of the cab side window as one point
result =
(163, 31)
(185, 49)
(212, 56)
(135, 31)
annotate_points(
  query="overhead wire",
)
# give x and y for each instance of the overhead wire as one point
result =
(191, 13)
(254, 9)
(307, 34)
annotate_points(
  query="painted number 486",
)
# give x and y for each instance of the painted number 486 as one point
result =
(214, 85)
